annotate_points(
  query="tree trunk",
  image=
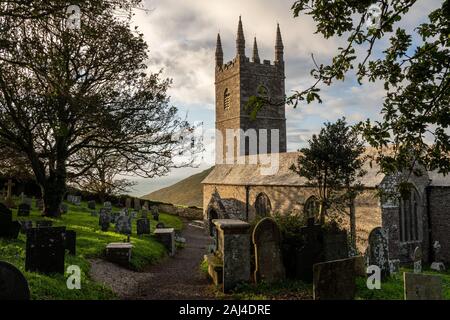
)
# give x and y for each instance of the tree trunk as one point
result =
(53, 193)
(352, 224)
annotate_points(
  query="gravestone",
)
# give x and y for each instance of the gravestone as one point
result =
(123, 225)
(299, 261)
(144, 214)
(437, 265)
(143, 226)
(334, 280)
(160, 225)
(335, 245)
(9, 229)
(91, 204)
(13, 285)
(114, 216)
(25, 225)
(94, 213)
(137, 204)
(77, 200)
(23, 210)
(422, 287)
(133, 214)
(9, 201)
(70, 241)
(45, 250)
(63, 208)
(104, 220)
(268, 260)
(167, 238)
(128, 203)
(44, 224)
(417, 258)
(155, 213)
(28, 201)
(378, 251)
(39, 204)
(394, 266)
(107, 205)
(119, 253)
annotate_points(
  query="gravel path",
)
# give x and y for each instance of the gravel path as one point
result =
(176, 278)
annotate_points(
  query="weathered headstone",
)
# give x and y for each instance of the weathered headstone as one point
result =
(160, 225)
(9, 202)
(167, 238)
(63, 208)
(137, 204)
(378, 251)
(77, 200)
(417, 258)
(143, 226)
(437, 265)
(394, 266)
(91, 204)
(70, 241)
(334, 280)
(123, 225)
(119, 253)
(104, 220)
(268, 259)
(23, 210)
(45, 250)
(107, 205)
(422, 287)
(9, 229)
(133, 214)
(13, 285)
(155, 213)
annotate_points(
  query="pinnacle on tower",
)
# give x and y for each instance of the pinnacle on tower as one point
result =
(255, 53)
(240, 40)
(219, 52)
(279, 47)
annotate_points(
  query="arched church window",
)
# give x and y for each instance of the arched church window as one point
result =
(409, 213)
(227, 99)
(311, 208)
(262, 205)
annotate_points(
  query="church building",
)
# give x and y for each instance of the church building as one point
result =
(243, 189)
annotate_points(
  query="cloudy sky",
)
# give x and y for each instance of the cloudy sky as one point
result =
(182, 36)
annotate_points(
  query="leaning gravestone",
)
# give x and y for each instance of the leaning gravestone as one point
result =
(91, 204)
(70, 241)
(9, 229)
(143, 226)
(23, 210)
(268, 260)
(45, 250)
(378, 251)
(334, 280)
(417, 258)
(123, 225)
(422, 287)
(13, 285)
(104, 220)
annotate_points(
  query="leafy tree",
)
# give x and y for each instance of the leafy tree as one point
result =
(415, 74)
(333, 165)
(65, 91)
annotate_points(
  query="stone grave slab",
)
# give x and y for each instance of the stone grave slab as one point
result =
(167, 238)
(334, 280)
(422, 287)
(13, 285)
(119, 253)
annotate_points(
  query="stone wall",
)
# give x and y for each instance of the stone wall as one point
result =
(191, 213)
(439, 198)
(291, 200)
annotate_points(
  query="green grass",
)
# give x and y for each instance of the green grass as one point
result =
(91, 242)
(392, 288)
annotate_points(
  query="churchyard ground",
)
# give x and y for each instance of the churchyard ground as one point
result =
(91, 242)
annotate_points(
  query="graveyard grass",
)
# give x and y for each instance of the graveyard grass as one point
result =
(91, 242)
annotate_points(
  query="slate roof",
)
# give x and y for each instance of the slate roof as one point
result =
(251, 173)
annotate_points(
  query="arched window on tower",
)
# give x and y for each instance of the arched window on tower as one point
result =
(311, 208)
(227, 99)
(262, 205)
(409, 217)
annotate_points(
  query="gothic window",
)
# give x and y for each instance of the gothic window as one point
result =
(227, 99)
(262, 205)
(311, 208)
(409, 213)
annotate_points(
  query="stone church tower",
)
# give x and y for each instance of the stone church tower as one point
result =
(238, 80)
